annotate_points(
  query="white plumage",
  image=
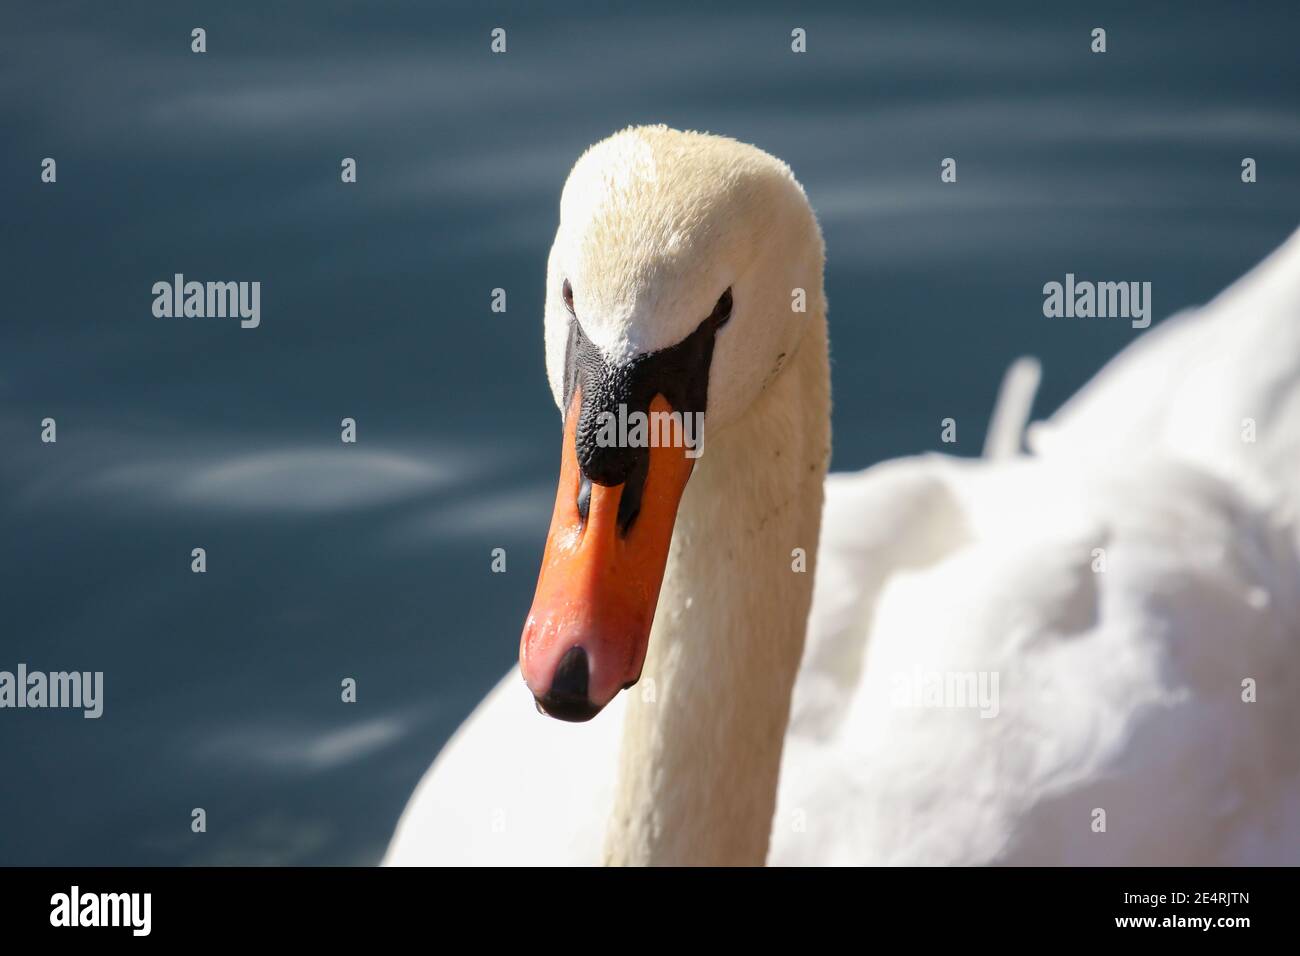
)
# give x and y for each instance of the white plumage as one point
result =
(1124, 582)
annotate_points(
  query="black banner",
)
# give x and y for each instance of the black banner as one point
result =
(334, 905)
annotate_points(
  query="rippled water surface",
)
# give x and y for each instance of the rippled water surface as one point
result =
(372, 561)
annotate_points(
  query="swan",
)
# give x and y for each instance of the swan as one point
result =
(761, 641)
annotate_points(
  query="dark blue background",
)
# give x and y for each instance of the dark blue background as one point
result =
(372, 561)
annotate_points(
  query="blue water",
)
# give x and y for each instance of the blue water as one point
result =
(372, 561)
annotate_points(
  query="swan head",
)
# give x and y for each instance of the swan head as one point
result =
(679, 284)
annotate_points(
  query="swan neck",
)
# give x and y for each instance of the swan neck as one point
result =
(705, 725)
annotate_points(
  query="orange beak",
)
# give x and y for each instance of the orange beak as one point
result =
(586, 635)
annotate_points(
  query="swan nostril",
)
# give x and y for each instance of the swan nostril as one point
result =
(567, 699)
(584, 499)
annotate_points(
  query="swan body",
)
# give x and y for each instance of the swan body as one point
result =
(1120, 609)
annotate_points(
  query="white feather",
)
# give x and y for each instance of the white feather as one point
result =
(1123, 583)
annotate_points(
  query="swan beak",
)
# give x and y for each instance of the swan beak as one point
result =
(585, 638)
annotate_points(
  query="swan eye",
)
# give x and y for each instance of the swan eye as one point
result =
(567, 292)
(721, 311)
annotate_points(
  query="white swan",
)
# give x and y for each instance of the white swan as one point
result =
(1124, 585)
